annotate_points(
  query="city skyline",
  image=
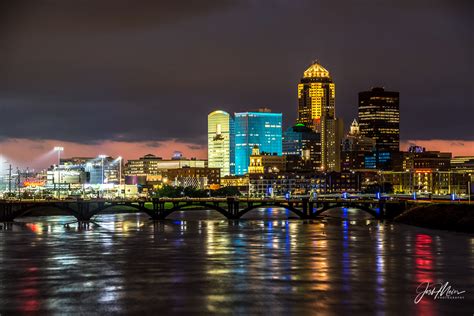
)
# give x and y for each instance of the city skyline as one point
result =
(134, 117)
(249, 157)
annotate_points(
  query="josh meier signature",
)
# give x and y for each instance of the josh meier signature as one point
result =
(438, 291)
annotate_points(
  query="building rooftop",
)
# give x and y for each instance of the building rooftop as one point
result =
(316, 71)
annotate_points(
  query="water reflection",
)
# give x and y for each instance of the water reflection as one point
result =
(424, 270)
(344, 263)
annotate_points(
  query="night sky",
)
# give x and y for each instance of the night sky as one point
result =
(143, 75)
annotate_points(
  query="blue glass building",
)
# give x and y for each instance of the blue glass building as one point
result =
(256, 128)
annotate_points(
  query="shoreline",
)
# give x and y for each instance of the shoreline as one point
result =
(450, 217)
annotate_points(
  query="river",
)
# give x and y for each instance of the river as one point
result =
(201, 263)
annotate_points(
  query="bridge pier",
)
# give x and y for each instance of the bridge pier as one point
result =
(159, 210)
(83, 212)
(381, 206)
(6, 212)
(306, 208)
(310, 208)
(232, 208)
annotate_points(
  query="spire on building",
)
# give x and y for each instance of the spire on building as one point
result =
(355, 129)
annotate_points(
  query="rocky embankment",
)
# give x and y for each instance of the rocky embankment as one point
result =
(456, 217)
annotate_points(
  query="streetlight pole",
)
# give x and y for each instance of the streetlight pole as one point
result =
(59, 149)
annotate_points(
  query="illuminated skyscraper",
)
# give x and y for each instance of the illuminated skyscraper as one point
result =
(379, 118)
(261, 128)
(220, 141)
(316, 110)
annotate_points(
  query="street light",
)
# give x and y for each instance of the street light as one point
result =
(59, 149)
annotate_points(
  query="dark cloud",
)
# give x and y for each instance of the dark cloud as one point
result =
(91, 70)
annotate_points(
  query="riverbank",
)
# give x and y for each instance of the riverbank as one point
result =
(456, 217)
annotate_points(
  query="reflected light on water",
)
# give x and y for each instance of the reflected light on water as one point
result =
(129, 264)
(319, 262)
(424, 270)
(380, 267)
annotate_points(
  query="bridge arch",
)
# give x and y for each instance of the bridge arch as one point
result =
(285, 206)
(138, 207)
(30, 208)
(211, 206)
(361, 207)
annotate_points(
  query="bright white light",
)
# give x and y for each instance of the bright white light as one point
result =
(119, 157)
(59, 148)
(102, 156)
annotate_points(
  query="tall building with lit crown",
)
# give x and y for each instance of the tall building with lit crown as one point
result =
(220, 141)
(316, 110)
(261, 128)
(379, 118)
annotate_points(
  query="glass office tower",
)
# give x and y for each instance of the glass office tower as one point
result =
(261, 128)
(379, 118)
(220, 142)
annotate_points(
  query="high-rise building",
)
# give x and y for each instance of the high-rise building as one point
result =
(379, 118)
(262, 128)
(302, 148)
(220, 141)
(316, 110)
(355, 149)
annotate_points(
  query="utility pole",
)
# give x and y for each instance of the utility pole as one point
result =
(18, 179)
(10, 179)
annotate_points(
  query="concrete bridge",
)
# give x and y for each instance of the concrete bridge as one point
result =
(231, 208)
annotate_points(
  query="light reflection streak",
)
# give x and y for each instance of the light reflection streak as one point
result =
(319, 262)
(346, 269)
(30, 292)
(424, 270)
(380, 267)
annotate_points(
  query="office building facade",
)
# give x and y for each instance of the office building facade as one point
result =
(302, 147)
(220, 142)
(379, 118)
(317, 110)
(356, 148)
(262, 128)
